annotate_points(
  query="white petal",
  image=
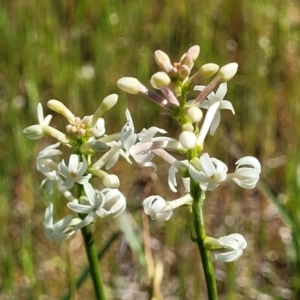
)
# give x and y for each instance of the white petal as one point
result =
(222, 90)
(73, 163)
(80, 208)
(90, 193)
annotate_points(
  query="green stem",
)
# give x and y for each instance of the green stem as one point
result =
(86, 271)
(93, 262)
(205, 254)
(198, 220)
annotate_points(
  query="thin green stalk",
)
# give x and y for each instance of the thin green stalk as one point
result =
(93, 262)
(198, 220)
(81, 278)
(207, 265)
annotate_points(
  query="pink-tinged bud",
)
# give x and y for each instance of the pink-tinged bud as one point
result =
(131, 85)
(227, 72)
(60, 108)
(194, 113)
(183, 72)
(194, 52)
(160, 80)
(187, 60)
(209, 70)
(163, 60)
(187, 139)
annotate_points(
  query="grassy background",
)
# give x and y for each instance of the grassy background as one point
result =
(46, 48)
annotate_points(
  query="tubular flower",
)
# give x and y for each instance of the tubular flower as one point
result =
(115, 203)
(247, 172)
(60, 230)
(35, 132)
(94, 207)
(157, 208)
(209, 173)
(74, 172)
(235, 242)
(161, 210)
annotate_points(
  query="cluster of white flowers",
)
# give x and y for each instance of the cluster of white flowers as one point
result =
(175, 82)
(84, 139)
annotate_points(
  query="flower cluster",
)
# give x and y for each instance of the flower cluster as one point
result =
(174, 83)
(83, 140)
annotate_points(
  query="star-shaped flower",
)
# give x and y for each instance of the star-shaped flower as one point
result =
(213, 105)
(60, 230)
(74, 171)
(209, 173)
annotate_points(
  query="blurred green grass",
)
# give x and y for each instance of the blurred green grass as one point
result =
(48, 49)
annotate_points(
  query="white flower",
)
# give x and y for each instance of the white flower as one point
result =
(101, 203)
(157, 208)
(47, 166)
(49, 151)
(209, 173)
(60, 230)
(35, 132)
(247, 172)
(117, 153)
(181, 167)
(161, 210)
(94, 206)
(143, 152)
(100, 127)
(236, 243)
(74, 172)
(213, 105)
(115, 203)
(127, 135)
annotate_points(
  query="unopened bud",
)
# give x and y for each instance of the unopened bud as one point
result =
(111, 181)
(184, 72)
(227, 72)
(187, 139)
(194, 52)
(108, 103)
(163, 60)
(160, 80)
(187, 60)
(60, 108)
(195, 114)
(131, 85)
(209, 70)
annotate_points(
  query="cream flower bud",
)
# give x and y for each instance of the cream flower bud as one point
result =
(183, 71)
(195, 114)
(187, 139)
(111, 181)
(163, 60)
(227, 72)
(60, 108)
(131, 85)
(209, 70)
(108, 103)
(160, 80)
